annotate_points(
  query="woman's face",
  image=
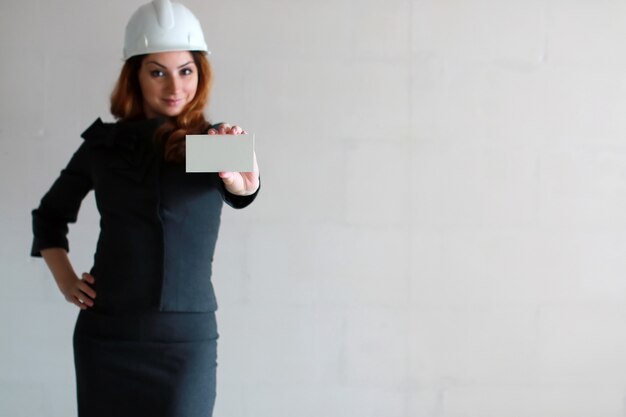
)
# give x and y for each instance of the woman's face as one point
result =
(168, 82)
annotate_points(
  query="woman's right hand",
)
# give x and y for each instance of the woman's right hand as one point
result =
(78, 292)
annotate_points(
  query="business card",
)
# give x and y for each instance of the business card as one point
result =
(220, 153)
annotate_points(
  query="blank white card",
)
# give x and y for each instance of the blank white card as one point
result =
(217, 153)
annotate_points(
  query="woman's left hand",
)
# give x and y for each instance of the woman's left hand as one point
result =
(238, 183)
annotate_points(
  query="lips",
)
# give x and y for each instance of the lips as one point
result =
(173, 102)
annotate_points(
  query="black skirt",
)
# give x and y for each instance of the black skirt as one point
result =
(157, 364)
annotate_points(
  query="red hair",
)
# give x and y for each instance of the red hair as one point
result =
(127, 104)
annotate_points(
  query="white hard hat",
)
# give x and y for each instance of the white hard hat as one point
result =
(161, 26)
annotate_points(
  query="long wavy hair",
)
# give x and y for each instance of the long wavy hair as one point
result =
(127, 104)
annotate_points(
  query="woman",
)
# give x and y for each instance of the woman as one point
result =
(145, 338)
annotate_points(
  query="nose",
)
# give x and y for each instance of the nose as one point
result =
(174, 85)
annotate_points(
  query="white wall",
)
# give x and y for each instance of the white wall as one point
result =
(441, 227)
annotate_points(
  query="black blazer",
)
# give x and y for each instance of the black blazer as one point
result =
(158, 224)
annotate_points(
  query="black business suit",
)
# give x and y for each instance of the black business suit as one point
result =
(147, 346)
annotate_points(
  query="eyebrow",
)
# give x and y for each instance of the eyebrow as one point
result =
(163, 66)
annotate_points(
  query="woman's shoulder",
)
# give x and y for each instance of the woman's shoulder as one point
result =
(97, 131)
(121, 132)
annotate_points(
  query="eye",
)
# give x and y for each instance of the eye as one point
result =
(186, 71)
(157, 73)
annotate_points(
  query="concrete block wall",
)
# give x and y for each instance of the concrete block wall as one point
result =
(441, 227)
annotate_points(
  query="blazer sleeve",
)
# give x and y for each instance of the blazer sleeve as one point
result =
(60, 205)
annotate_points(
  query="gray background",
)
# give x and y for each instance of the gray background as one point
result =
(440, 230)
